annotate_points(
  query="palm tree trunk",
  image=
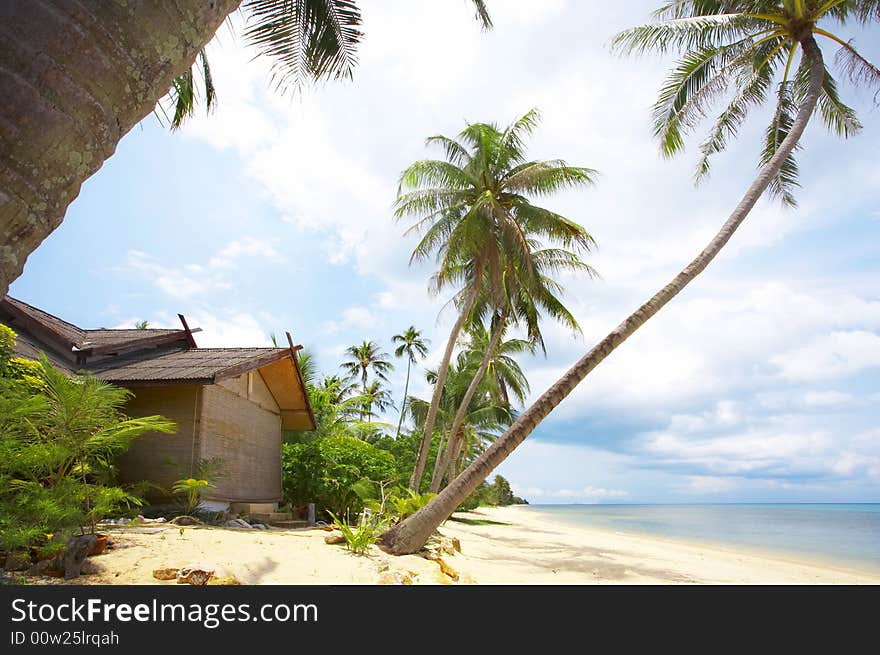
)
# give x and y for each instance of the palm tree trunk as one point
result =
(425, 445)
(75, 77)
(364, 385)
(454, 443)
(405, 392)
(410, 535)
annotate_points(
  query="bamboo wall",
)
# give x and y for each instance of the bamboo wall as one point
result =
(241, 424)
(161, 458)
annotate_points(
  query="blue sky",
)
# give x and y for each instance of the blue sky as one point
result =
(759, 383)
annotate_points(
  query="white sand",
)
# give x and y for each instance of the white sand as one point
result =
(536, 550)
(529, 550)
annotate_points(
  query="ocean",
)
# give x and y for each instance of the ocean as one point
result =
(843, 534)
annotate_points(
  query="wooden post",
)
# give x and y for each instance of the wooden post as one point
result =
(293, 348)
(189, 335)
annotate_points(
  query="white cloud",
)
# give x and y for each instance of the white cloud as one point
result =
(220, 328)
(171, 281)
(710, 484)
(829, 398)
(777, 446)
(247, 246)
(353, 317)
(194, 279)
(226, 329)
(830, 356)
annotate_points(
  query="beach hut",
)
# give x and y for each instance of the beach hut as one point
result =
(230, 404)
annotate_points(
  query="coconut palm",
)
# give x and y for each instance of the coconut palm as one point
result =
(473, 210)
(485, 417)
(363, 358)
(524, 302)
(497, 374)
(375, 397)
(744, 43)
(414, 346)
(103, 66)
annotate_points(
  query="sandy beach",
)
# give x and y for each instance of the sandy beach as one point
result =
(535, 550)
(519, 547)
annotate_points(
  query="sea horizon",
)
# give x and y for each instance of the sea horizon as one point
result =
(842, 534)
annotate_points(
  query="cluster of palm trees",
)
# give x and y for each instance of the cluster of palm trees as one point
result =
(497, 250)
(470, 414)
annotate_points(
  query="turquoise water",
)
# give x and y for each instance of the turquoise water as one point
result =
(846, 534)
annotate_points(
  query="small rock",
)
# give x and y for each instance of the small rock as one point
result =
(456, 544)
(43, 567)
(394, 578)
(428, 553)
(237, 523)
(195, 574)
(382, 565)
(185, 520)
(165, 574)
(18, 561)
(335, 538)
(259, 526)
(75, 554)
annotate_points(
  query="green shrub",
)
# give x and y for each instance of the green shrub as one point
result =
(359, 538)
(58, 437)
(190, 491)
(406, 502)
(328, 471)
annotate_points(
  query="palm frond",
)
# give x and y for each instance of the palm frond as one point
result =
(859, 70)
(682, 33)
(481, 13)
(782, 186)
(753, 91)
(306, 40)
(542, 178)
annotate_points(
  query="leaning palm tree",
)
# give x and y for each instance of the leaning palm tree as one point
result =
(363, 358)
(415, 347)
(76, 77)
(748, 44)
(474, 210)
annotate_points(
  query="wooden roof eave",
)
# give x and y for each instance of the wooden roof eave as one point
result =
(136, 344)
(251, 364)
(37, 327)
(302, 383)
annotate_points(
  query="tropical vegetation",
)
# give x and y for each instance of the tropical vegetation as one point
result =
(351, 464)
(58, 439)
(744, 44)
(474, 212)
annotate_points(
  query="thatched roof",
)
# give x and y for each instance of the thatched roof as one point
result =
(187, 365)
(155, 357)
